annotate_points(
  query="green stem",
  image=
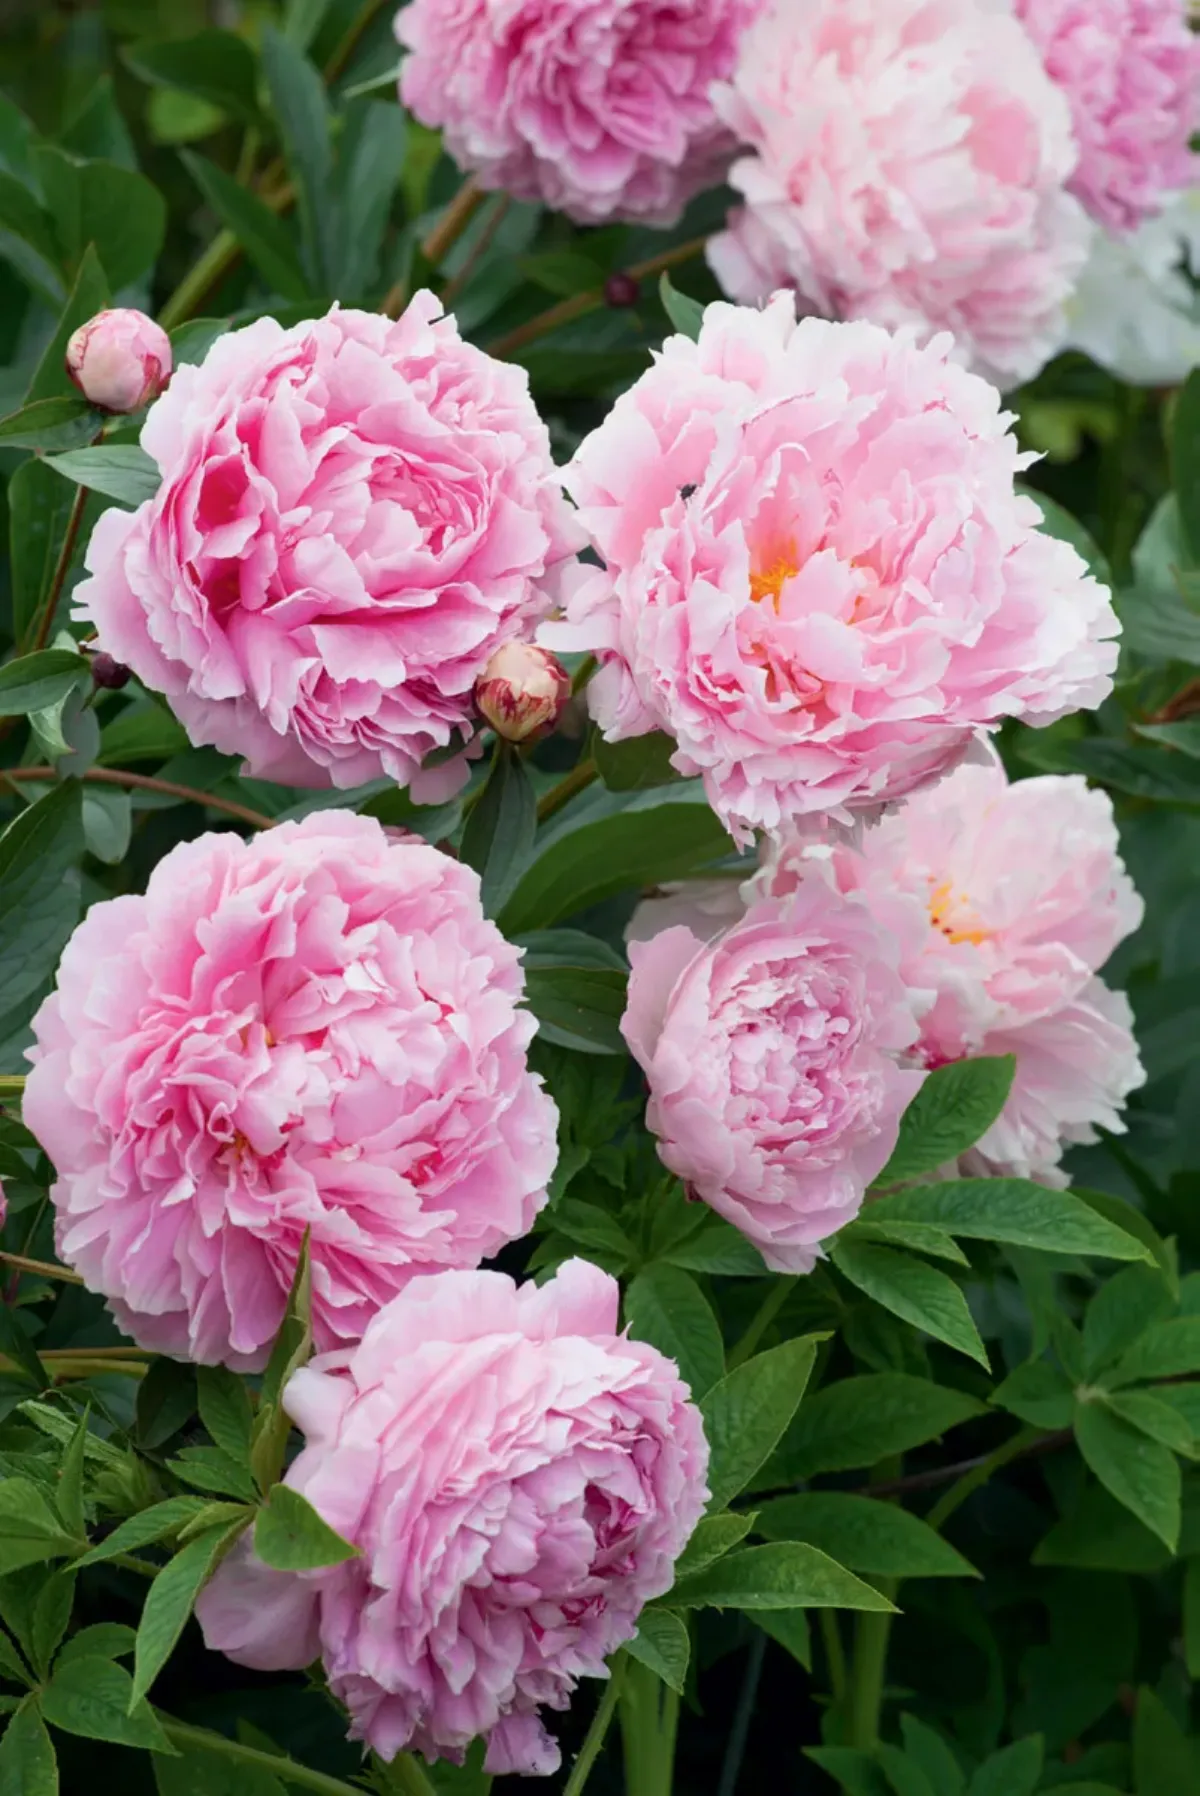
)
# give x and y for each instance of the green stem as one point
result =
(647, 1732)
(667, 1734)
(971, 1481)
(62, 567)
(578, 780)
(40, 1268)
(735, 1751)
(408, 1776)
(768, 1309)
(278, 1764)
(212, 266)
(81, 1365)
(11, 1085)
(872, 1633)
(350, 42)
(589, 1752)
(835, 1653)
(578, 305)
(145, 782)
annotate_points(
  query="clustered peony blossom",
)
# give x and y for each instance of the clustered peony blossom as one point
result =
(908, 164)
(819, 578)
(600, 108)
(773, 1059)
(1018, 895)
(315, 1029)
(1130, 70)
(519, 1480)
(1136, 310)
(354, 515)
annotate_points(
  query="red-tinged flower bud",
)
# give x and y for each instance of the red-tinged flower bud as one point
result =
(120, 360)
(110, 673)
(621, 289)
(521, 691)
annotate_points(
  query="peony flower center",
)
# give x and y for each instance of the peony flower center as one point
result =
(771, 578)
(951, 913)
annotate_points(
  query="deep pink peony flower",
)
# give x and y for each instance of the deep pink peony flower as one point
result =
(1020, 896)
(909, 166)
(1130, 70)
(819, 578)
(119, 359)
(600, 108)
(772, 1055)
(354, 515)
(519, 1480)
(315, 1029)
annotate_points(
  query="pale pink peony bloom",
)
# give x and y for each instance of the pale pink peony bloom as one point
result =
(354, 515)
(519, 1479)
(120, 359)
(1021, 896)
(599, 108)
(315, 1029)
(909, 161)
(1130, 70)
(819, 579)
(773, 1056)
(522, 691)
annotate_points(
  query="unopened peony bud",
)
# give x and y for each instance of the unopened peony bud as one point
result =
(120, 360)
(110, 673)
(521, 691)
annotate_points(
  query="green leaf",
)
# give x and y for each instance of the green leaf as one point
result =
(20, 1349)
(1058, 522)
(290, 1535)
(1139, 1473)
(1016, 1771)
(562, 271)
(1015, 1211)
(789, 1627)
(198, 1772)
(264, 237)
(666, 1307)
(715, 1246)
(910, 1289)
(70, 1496)
(209, 1469)
(30, 1532)
(859, 1421)
(292, 1346)
(608, 842)
(784, 1575)
(1185, 461)
(687, 315)
(34, 681)
(747, 1412)
(856, 1772)
(635, 765)
(302, 20)
(143, 1529)
(94, 1697)
(1142, 772)
(957, 1104)
(1165, 1761)
(143, 732)
(1039, 1393)
(27, 1763)
(904, 1778)
(918, 1237)
(1184, 735)
(39, 890)
(89, 295)
(12, 1667)
(579, 1007)
(120, 471)
(662, 1644)
(217, 66)
(60, 423)
(713, 1536)
(39, 509)
(107, 823)
(299, 104)
(928, 1750)
(1153, 1418)
(1191, 1618)
(225, 1410)
(98, 204)
(1120, 1312)
(169, 1602)
(498, 836)
(27, 241)
(1163, 1351)
(51, 1616)
(878, 1538)
(370, 159)
(103, 1640)
(166, 1399)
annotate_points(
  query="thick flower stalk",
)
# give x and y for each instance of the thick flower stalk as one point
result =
(519, 1480)
(316, 1030)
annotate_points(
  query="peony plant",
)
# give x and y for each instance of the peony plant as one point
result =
(598, 843)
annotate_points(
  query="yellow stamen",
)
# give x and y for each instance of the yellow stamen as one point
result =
(771, 582)
(942, 900)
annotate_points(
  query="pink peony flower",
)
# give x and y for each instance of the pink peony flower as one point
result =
(600, 108)
(120, 360)
(315, 1029)
(519, 1480)
(772, 1055)
(1020, 897)
(819, 578)
(1130, 70)
(909, 161)
(354, 515)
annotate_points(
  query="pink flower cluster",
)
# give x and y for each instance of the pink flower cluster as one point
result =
(819, 578)
(519, 1480)
(600, 108)
(1130, 70)
(908, 162)
(314, 1030)
(772, 1056)
(354, 515)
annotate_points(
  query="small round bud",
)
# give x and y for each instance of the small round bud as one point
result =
(120, 360)
(521, 691)
(110, 674)
(621, 290)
